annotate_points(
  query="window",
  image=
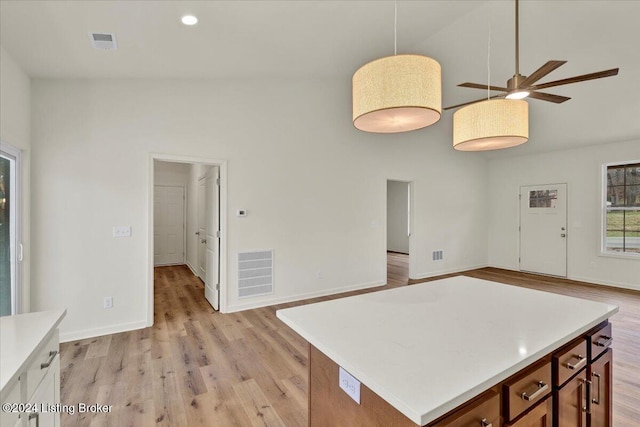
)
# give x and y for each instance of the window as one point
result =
(9, 230)
(543, 198)
(622, 209)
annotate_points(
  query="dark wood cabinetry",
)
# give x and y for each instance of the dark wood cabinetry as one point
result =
(585, 399)
(539, 416)
(571, 387)
(570, 402)
(483, 412)
(601, 375)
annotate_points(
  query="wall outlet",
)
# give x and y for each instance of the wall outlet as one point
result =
(350, 385)
(108, 302)
(122, 231)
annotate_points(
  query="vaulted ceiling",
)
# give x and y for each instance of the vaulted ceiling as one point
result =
(331, 39)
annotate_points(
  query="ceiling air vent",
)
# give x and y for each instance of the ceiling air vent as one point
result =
(104, 41)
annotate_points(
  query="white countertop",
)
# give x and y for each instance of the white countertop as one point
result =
(20, 335)
(428, 348)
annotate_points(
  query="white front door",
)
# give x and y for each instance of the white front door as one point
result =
(212, 227)
(201, 233)
(168, 225)
(543, 229)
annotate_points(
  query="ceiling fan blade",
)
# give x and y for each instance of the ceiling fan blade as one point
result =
(485, 87)
(541, 72)
(577, 79)
(473, 102)
(548, 97)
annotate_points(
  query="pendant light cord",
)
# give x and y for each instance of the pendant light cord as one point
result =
(395, 28)
(489, 63)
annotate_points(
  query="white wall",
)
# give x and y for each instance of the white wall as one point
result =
(15, 129)
(581, 169)
(397, 216)
(290, 147)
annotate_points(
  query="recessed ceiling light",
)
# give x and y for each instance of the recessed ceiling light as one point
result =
(189, 20)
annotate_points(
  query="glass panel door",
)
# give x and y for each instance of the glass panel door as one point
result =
(8, 234)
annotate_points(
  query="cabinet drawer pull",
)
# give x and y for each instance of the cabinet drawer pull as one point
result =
(52, 355)
(35, 415)
(586, 384)
(581, 362)
(594, 400)
(604, 341)
(542, 387)
(485, 423)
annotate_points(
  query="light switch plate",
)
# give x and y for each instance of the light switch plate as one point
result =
(350, 385)
(122, 231)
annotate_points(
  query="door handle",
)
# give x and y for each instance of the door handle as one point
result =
(197, 233)
(563, 235)
(586, 384)
(203, 241)
(485, 423)
(594, 400)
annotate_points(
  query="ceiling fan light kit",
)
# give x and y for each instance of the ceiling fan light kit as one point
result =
(397, 93)
(491, 125)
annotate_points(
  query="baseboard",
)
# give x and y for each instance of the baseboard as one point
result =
(429, 275)
(97, 332)
(299, 297)
(193, 270)
(609, 283)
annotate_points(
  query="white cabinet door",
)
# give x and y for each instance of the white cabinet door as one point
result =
(47, 393)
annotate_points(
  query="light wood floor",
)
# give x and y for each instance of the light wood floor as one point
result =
(195, 367)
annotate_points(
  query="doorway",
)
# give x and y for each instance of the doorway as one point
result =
(199, 186)
(398, 229)
(169, 225)
(543, 229)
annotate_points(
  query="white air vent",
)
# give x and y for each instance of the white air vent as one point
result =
(104, 41)
(437, 256)
(255, 273)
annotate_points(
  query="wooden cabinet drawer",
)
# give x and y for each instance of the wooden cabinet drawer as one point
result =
(39, 366)
(527, 389)
(485, 411)
(599, 341)
(542, 416)
(569, 360)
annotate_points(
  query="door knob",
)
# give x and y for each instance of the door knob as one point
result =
(563, 235)
(203, 241)
(197, 233)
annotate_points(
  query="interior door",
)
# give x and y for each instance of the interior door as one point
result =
(212, 227)
(201, 233)
(543, 229)
(168, 225)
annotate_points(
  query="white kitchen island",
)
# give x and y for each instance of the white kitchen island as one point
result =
(428, 349)
(30, 369)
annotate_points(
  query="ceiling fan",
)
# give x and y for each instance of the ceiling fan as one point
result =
(519, 86)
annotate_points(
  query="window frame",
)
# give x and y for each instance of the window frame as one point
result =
(604, 209)
(17, 285)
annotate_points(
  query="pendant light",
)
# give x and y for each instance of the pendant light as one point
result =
(397, 93)
(491, 125)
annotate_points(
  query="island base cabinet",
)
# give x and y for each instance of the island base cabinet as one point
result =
(329, 405)
(601, 375)
(47, 394)
(539, 416)
(481, 412)
(570, 402)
